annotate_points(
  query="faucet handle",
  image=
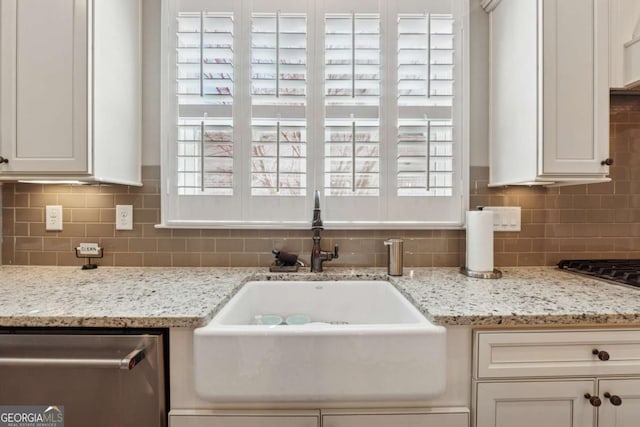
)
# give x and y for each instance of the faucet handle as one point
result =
(335, 251)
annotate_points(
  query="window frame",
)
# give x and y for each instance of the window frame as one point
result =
(339, 212)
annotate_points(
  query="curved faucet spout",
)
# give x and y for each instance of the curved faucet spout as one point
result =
(318, 256)
(316, 223)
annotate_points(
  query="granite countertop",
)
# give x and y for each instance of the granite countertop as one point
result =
(189, 297)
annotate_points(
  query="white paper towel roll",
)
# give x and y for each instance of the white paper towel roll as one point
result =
(480, 241)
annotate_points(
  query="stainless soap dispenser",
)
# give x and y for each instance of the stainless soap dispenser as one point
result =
(394, 258)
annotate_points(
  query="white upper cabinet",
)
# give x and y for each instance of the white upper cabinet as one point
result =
(45, 116)
(70, 90)
(549, 92)
(624, 43)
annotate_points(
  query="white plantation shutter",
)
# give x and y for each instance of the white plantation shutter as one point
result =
(352, 58)
(425, 158)
(279, 59)
(352, 102)
(425, 82)
(205, 76)
(279, 98)
(278, 158)
(267, 101)
(352, 87)
(205, 156)
(352, 157)
(429, 134)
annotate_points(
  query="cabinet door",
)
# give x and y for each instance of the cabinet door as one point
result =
(575, 87)
(534, 404)
(43, 86)
(397, 420)
(627, 414)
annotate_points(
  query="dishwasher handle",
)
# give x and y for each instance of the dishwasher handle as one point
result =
(128, 362)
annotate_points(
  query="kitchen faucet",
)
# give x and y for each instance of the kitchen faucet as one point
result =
(318, 256)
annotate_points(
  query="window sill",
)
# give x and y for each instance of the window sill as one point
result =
(329, 225)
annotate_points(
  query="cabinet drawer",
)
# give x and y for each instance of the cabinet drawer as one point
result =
(556, 353)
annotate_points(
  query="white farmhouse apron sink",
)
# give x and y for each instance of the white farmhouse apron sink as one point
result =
(363, 342)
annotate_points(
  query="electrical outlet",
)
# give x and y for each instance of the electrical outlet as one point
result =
(124, 217)
(505, 218)
(53, 220)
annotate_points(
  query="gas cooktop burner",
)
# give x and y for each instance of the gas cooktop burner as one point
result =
(625, 271)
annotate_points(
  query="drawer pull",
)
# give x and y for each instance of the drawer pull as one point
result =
(594, 400)
(615, 400)
(602, 355)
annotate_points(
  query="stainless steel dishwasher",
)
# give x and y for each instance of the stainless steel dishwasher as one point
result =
(101, 379)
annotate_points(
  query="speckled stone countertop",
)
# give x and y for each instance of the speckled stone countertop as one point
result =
(189, 297)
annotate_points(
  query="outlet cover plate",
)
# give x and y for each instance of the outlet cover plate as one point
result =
(505, 218)
(124, 217)
(53, 220)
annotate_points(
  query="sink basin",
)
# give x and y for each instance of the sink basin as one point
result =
(363, 342)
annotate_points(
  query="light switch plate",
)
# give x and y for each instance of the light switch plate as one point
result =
(505, 218)
(53, 221)
(124, 217)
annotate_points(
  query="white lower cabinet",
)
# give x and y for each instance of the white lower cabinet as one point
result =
(418, 417)
(559, 403)
(449, 410)
(572, 378)
(219, 418)
(431, 417)
(620, 403)
(534, 404)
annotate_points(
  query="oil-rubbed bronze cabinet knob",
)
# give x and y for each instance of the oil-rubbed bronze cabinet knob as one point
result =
(594, 400)
(607, 162)
(4, 160)
(615, 400)
(602, 355)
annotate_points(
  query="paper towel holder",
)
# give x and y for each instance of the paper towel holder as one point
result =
(495, 274)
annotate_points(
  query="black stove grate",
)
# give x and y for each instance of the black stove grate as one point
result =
(625, 271)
